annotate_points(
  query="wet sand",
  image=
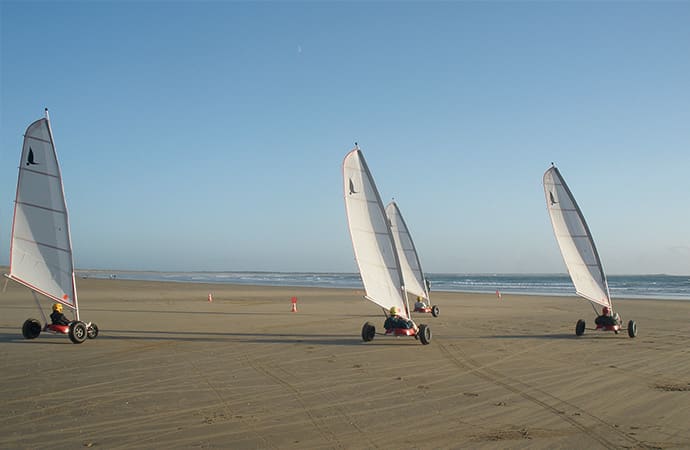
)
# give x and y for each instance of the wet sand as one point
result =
(172, 370)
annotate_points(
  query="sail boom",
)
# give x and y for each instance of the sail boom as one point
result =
(602, 302)
(39, 291)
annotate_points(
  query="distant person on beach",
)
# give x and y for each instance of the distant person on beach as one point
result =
(57, 317)
(419, 304)
(396, 321)
(606, 319)
(428, 284)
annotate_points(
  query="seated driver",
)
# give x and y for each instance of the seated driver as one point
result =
(397, 321)
(419, 304)
(606, 319)
(57, 317)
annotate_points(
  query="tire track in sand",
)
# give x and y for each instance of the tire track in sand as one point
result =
(227, 409)
(520, 388)
(329, 436)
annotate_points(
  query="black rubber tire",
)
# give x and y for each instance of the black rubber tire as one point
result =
(31, 329)
(77, 332)
(580, 328)
(368, 332)
(434, 311)
(424, 334)
(92, 331)
(632, 329)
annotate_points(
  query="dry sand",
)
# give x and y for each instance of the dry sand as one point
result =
(171, 370)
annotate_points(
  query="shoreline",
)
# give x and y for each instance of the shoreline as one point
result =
(210, 285)
(280, 282)
(346, 281)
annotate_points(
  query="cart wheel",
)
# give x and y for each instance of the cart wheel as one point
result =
(424, 334)
(31, 328)
(580, 328)
(368, 332)
(92, 331)
(434, 311)
(632, 329)
(77, 332)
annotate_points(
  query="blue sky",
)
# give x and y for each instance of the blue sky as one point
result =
(210, 135)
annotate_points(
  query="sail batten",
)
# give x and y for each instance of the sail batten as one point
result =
(46, 208)
(45, 244)
(41, 248)
(575, 240)
(38, 172)
(36, 138)
(372, 240)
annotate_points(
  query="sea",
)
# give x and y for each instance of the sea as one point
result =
(674, 287)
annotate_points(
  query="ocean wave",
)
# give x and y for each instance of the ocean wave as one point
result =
(633, 286)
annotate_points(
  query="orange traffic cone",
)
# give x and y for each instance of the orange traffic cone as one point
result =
(294, 304)
(210, 297)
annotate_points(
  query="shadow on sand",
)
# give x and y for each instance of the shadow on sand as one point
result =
(86, 311)
(593, 335)
(195, 336)
(260, 338)
(15, 337)
(532, 336)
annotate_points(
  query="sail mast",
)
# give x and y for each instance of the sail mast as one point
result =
(68, 231)
(407, 252)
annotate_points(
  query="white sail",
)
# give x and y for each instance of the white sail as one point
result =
(41, 248)
(372, 239)
(407, 253)
(575, 240)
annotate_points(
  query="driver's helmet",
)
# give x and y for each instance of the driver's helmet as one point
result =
(605, 310)
(393, 310)
(57, 307)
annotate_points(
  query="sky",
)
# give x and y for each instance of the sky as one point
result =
(210, 135)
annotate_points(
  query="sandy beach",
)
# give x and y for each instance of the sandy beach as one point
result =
(172, 370)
